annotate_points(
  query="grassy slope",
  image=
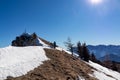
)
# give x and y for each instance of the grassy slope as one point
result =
(61, 66)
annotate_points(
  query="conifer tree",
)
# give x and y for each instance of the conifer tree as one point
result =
(34, 35)
(86, 55)
(114, 66)
(79, 50)
(93, 58)
(69, 45)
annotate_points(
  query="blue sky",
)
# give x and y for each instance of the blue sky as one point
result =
(55, 20)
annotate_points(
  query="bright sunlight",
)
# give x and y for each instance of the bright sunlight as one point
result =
(96, 2)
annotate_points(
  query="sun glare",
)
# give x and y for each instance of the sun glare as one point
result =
(95, 2)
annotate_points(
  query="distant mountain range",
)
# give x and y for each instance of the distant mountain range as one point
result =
(112, 57)
(100, 51)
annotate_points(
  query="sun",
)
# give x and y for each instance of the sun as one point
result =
(96, 2)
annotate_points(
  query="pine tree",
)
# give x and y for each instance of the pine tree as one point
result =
(86, 55)
(107, 62)
(79, 50)
(93, 58)
(34, 35)
(114, 67)
(69, 45)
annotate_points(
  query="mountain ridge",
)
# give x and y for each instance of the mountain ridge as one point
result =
(45, 62)
(102, 50)
(112, 57)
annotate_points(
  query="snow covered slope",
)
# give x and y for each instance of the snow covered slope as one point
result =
(99, 72)
(103, 73)
(17, 61)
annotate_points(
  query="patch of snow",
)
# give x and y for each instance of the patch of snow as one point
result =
(62, 49)
(17, 61)
(67, 51)
(103, 73)
(41, 42)
(80, 78)
(59, 48)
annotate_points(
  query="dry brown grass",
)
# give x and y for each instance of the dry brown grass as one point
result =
(61, 66)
